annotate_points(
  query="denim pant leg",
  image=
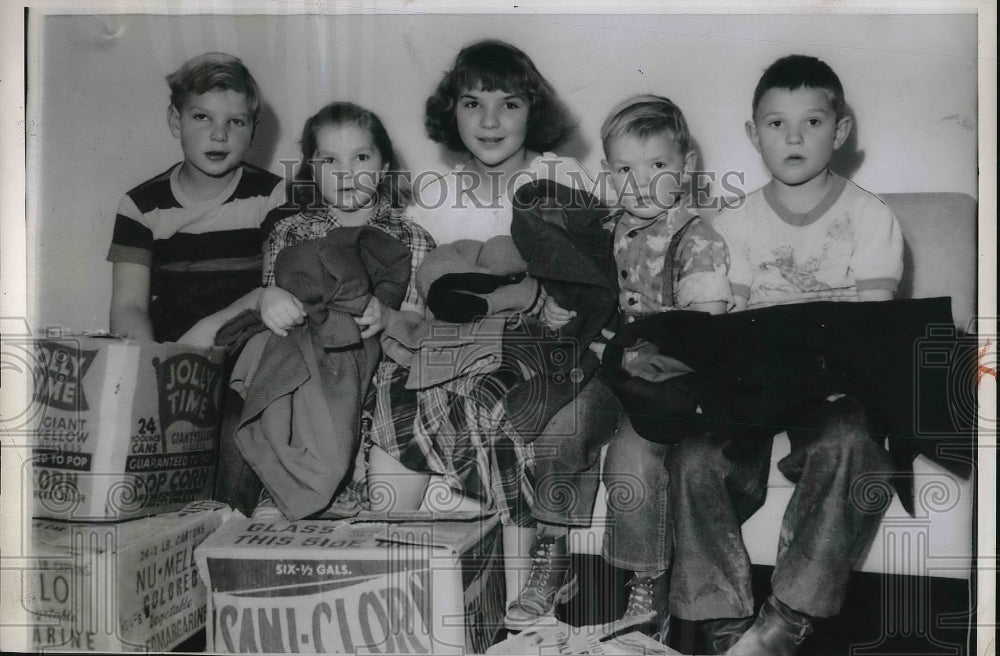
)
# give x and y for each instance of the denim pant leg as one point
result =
(639, 535)
(842, 490)
(712, 494)
(567, 454)
(236, 484)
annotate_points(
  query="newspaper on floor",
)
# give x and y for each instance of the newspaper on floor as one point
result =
(550, 636)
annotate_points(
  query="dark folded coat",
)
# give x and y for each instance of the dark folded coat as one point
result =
(903, 359)
(558, 231)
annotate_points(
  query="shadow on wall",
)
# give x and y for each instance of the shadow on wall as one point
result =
(848, 159)
(265, 140)
(576, 146)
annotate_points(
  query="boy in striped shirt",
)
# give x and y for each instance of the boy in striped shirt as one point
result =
(186, 250)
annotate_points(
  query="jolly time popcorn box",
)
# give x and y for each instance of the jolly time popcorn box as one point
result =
(122, 428)
(356, 587)
(127, 586)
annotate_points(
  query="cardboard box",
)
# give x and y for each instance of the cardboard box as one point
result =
(354, 586)
(131, 586)
(122, 428)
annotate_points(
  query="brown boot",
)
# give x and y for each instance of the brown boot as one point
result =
(778, 631)
(720, 635)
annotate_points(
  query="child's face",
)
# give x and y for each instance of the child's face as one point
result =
(796, 133)
(492, 124)
(215, 129)
(347, 166)
(648, 173)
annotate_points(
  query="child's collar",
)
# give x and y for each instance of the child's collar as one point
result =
(681, 209)
(801, 219)
(382, 209)
(186, 201)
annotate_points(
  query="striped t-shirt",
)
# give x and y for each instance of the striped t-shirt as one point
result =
(203, 255)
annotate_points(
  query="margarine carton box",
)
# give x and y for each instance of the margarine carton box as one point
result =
(128, 586)
(122, 428)
(364, 587)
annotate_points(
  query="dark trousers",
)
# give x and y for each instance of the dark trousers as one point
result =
(842, 490)
(568, 472)
(236, 484)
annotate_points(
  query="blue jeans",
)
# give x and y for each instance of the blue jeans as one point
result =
(567, 471)
(842, 490)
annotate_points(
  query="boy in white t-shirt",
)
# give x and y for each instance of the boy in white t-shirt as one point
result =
(808, 235)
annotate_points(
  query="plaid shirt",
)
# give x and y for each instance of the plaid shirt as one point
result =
(314, 224)
(458, 430)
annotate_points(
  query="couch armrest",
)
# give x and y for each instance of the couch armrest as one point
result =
(940, 233)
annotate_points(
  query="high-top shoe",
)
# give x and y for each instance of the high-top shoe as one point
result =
(778, 631)
(549, 584)
(266, 507)
(648, 594)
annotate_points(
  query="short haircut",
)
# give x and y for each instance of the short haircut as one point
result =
(798, 71)
(645, 116)
(213, 70)
(394, 186)
(497, 66)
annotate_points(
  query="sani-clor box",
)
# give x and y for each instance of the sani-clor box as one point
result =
(128, 586)
(323, 586)
(122, 428)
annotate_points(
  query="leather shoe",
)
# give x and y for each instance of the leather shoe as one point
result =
(550, 583)
(778, 631)
(651, 594)
(720, 635)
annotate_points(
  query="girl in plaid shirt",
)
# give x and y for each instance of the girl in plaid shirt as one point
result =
(352, 178)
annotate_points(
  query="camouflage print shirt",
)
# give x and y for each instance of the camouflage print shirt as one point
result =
(699, 267)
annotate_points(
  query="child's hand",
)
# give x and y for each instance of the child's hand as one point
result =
(555, 316)
(280, 310)
(374, 318)
(202, 334)
(598, 347)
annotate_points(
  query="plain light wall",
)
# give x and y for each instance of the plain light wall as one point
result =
(98, 101)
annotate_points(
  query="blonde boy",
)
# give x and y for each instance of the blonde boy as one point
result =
(667, 259)
(187, 242)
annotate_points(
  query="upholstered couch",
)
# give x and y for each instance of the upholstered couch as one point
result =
(940, 232)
